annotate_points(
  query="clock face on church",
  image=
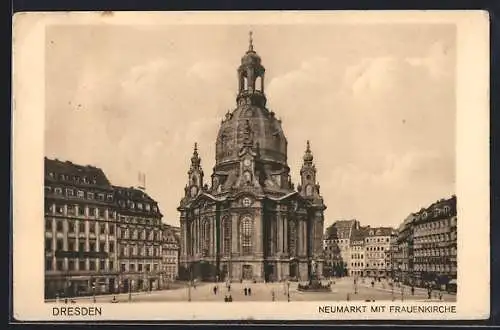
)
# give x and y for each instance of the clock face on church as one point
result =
(247, 202)
(194, 191)
(247, 162)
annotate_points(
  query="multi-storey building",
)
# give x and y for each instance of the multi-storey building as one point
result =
(357, 248)
(170, 252)
(403, 258)
(139, 240)
(85, 217)
(80, 230)
(435, 243)
(337, 249)
(377, 252)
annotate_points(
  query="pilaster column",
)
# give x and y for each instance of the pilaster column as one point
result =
(234, 233)
(279, 233)
(259, 240)
(285, 234)
(304, 237)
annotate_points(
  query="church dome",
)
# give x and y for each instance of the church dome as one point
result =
(266, 130)
(251, 123)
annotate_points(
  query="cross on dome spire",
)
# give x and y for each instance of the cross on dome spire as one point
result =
(250, 41)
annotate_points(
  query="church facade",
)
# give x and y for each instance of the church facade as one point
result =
(248, 221)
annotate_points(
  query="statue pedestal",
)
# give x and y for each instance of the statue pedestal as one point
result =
(314, 285)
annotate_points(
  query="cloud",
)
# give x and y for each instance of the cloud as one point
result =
(437, 60)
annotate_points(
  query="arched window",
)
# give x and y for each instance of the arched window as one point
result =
(226, 234)
(248, 177)
(246, 230)
(258, 84)
(245, 83)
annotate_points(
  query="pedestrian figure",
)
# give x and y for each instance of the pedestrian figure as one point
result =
(65, 300)
(348, 297)
(226, 299)
(215, 289)
(73, 301)
(230, 299)
(229, 288)
(412, 290)
(249, 291)
(373, 284)
(114, 300)
(246, 291)
(429, 293)
(272, 295)
(440, 296)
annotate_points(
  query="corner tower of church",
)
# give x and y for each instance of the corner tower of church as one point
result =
(250, 223)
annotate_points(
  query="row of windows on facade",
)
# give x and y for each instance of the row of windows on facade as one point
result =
(437, 267)
(170, 260)
(139, 267)
(368, 248)
(100, 228)
(446, 210)
(443, 223)
(378, 265)
(436, 238)
(139, 220)
(435, 252)
(101, 197)
(76, 210)
(139, 250)
(93, 246)
(72, 225)
(74, 178)
(78, 265)
(144, 234)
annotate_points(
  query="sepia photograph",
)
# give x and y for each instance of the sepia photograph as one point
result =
(186, 159)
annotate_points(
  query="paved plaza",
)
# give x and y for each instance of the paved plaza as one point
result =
(342, 290)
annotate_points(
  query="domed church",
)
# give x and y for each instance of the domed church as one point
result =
(250, 223)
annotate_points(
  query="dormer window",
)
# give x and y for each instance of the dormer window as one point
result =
(70, 192)
(85, 179)
(90, 195)
(147, 207)
(139, 206)
(109, 197)
(80, 194)
(58, 191)
(100, 197)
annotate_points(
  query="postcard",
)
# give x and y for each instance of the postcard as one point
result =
(250, 165)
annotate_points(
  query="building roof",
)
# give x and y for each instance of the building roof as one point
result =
(66, 171)
(341, 229)
(359, 234)
(380, 231)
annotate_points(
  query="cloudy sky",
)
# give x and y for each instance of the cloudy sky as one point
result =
(376, 101)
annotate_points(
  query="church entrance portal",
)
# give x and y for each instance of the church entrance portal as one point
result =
(294, 270)
(247, 272)
(269, 274)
